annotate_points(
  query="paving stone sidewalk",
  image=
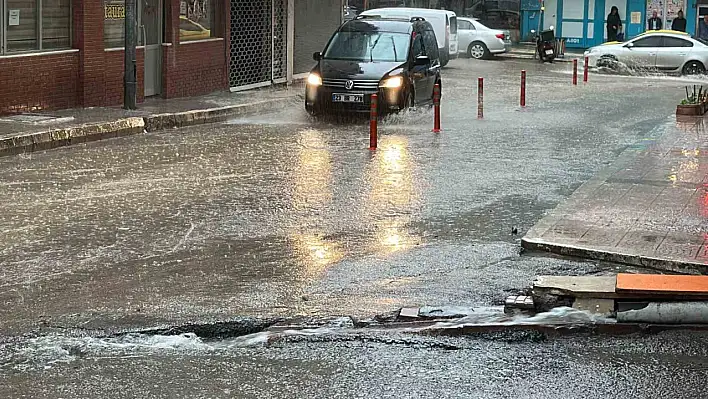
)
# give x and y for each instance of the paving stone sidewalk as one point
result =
(41, 130)
(650, 208)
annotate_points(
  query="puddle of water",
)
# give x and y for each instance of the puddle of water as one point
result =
(47, 351)
(496, 316)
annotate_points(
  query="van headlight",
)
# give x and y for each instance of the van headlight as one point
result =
(314, 80)
(392, 83)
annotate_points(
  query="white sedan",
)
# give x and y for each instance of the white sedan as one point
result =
(478, 41)
(666, 51)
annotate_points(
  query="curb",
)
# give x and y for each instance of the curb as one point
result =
(529, 56)
(71, 135)
(158, 122)
(614, 257)
(62, 137)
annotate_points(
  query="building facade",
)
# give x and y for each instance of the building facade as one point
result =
(582, 23)
(69, 53)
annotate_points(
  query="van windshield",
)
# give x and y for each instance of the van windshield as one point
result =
(369, 46)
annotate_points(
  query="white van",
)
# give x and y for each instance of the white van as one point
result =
(444, 23)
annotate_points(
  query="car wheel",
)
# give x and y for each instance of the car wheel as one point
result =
(478, 51)
(607, 61)
(694, 68)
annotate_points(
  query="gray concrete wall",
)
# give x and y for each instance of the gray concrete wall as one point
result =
(315, 21)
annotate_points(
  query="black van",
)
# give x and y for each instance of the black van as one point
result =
(397, 59)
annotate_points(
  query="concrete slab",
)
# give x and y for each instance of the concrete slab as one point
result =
(577, 286)
(647, 209)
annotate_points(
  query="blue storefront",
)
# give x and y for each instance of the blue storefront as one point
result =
(582, 22)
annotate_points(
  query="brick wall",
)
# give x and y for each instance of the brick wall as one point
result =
(112, 77)
(38, 82)
(194, 69)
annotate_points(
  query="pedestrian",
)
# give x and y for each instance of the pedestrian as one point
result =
(614, 24)
(654, 21)
(679, 23)
(703, 28)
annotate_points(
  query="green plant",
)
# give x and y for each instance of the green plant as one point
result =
(695, 97)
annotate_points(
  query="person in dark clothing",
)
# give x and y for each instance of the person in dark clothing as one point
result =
(679, 23)
(614, 24)
(654, 21)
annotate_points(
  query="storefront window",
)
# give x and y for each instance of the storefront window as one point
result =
(35, 25)
(21, 25)
(113, 23)
(196, 20)
(56, 24)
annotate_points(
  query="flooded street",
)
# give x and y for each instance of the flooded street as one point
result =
(278, 215)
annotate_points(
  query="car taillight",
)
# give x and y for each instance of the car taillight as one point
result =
(500, 36)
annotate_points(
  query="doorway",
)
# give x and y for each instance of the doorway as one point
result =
(702, 11)
(666, 10)
(151, 19)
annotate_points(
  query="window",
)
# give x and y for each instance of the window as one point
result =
(114, 23)
(431, 44)
(676, 42)
(35, 25)
(453, 25)
(368, 46)
(196, 20)
(652, 41)
(464, 25)
(418, 46)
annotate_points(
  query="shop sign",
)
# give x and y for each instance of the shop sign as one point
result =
(572, 40)
(114, 11)
(636, 17)
(14, 18)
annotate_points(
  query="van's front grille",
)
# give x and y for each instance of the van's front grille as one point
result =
(358, 84)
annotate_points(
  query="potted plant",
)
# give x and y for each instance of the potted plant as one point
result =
(695, 103)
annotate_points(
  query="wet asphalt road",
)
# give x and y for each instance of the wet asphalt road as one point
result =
(668, 365)
(280, 215)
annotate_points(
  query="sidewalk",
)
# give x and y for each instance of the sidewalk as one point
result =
(44, 130)
(648, 209)
(520, 51)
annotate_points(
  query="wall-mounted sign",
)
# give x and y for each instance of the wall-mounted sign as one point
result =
(636, 17)
(114, 11)
(14, 19)
(183, 8)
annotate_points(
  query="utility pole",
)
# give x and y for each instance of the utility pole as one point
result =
(130, 78)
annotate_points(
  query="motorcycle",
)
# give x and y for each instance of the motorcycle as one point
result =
(545, 45)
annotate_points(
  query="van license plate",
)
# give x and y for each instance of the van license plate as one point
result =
(549, 52)
(348, 98)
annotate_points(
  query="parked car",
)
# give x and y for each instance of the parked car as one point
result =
(667, 51)
(397, 59)
(444, 23)
(478, 41)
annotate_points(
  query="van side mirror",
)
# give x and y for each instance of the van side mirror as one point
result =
(422, 60)
(317, 56)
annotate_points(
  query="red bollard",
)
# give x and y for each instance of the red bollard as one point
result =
(585, 71)
(480, 98)
(523, 88)
(373, 126)
(575, 71)
(436, 104)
